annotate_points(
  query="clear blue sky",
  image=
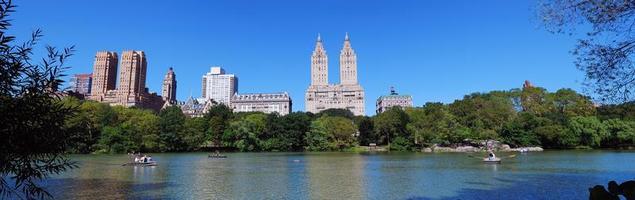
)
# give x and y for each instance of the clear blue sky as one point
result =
(434, 50)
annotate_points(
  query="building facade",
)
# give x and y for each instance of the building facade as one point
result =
(82, 83)
(218, 86)
(132, 77)
(262, 102)
(394, 99)
(169, 87)
(194, 108)
(348, 94)
(104, 74)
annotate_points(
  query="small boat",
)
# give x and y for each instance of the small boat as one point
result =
(216, 156)
(143, 164)
(492, 160)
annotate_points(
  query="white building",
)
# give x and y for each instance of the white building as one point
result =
(347, 95)
(219, 86)
(262, 102)
(394, 99)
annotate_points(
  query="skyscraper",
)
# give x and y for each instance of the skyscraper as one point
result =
(348, 63)
(319, 64)
(347, 95)
(132, 81)
(219, 86)
(104, 74)
(132, 75)
(169, 87)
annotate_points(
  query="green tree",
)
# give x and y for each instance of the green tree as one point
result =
(433, 123)
(32, 119)
(566, 103)
(518, 132)
(619, 133)
(171, 125)
(317, 137)
(193, 134)
(243, 134)
(390, 124)
(337, 112)
(218, 117)
(366, 131)
(605, 50)
(589, 129)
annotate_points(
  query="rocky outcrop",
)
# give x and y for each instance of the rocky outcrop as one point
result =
(481, 146)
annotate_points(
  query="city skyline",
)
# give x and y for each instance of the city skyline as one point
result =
(450, 50)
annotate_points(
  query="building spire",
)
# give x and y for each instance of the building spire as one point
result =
(346, 37)
(319, 39)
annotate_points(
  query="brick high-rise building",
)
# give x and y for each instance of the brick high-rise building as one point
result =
(132, 75)
(347, 95)
(132, 81)
(104, 74)
(169, 87)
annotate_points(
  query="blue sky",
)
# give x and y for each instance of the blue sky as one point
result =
(434, 50)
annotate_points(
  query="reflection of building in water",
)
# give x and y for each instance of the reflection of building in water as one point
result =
(327, 179)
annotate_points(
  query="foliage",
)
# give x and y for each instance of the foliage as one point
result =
(390, 124)
(32, 123)
(562, 119)
(589, 129)
(171, 126)
(331, 133)
(218, 117)
(243, 134)
(605, 50)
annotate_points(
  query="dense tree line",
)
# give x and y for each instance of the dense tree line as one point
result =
(530, 116)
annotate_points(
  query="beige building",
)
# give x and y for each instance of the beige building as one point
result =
(348, 94)
(262, 102)
(219, 86)
(104, 74)
(132, 80)
(169, 87)
(394, 99)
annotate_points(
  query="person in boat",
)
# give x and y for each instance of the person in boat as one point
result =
(217, 153)
(145, 158)
(149, 158)
(136, 159)
(491, 155)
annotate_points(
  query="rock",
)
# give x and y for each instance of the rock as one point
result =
(427, 150)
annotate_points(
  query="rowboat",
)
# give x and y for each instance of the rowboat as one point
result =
(216, 156)
(143, 164)
(492, 160)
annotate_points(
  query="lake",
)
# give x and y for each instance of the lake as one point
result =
(535, 175)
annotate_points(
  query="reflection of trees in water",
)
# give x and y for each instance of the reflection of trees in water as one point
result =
(335, 176)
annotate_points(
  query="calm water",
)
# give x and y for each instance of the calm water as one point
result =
(544, 175)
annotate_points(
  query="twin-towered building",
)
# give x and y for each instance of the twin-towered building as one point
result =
(348, 94)
(220, 87)
(132, 89)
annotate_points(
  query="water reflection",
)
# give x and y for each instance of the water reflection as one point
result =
(547, 175)
(335, 176)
